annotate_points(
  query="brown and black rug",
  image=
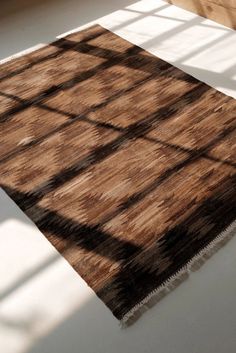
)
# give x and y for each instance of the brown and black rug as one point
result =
(125, 163)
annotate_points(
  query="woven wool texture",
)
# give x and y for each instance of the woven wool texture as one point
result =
(125, 163)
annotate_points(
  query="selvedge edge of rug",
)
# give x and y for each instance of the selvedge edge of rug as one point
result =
(124, 162)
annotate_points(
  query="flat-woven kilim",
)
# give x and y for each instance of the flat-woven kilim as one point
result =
(125, 163)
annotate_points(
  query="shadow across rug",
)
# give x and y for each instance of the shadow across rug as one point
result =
(125, 163)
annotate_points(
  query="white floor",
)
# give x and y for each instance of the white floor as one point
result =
(45, 307)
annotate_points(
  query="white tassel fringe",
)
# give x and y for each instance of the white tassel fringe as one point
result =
(195, 263)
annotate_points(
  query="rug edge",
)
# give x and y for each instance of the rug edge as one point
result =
(179, 277)
(39, 46)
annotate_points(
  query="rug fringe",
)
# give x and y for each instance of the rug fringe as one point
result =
(171, 283)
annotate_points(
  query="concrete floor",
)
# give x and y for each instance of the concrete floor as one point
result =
(45, 307)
